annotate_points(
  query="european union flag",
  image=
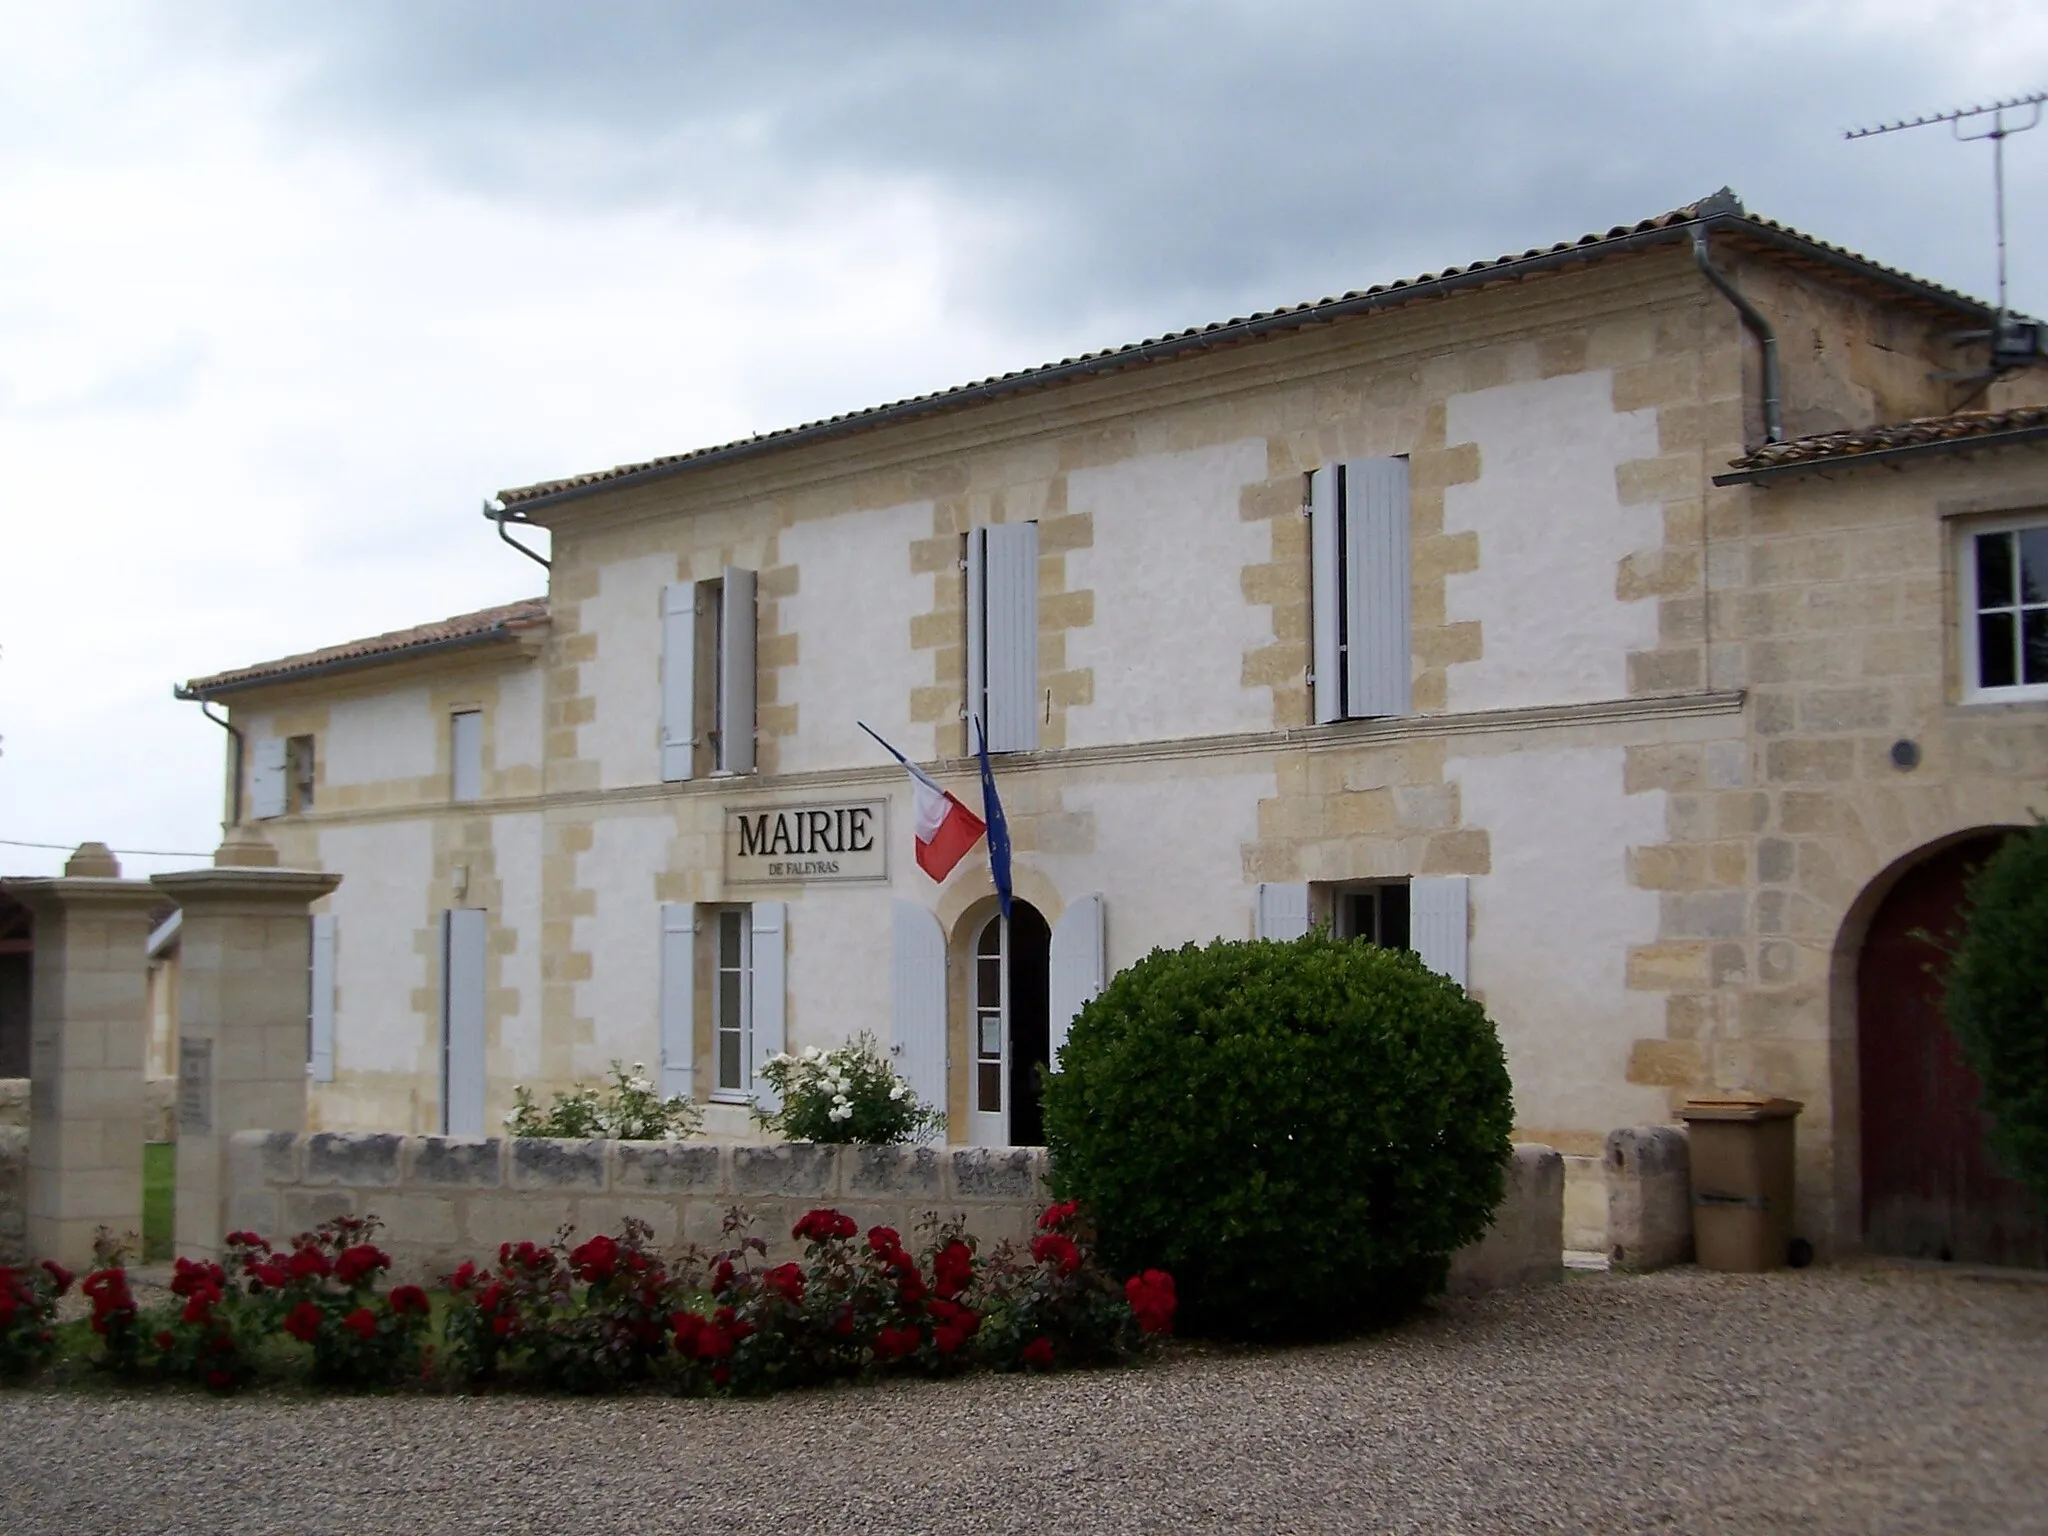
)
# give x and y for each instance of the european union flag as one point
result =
(998, 829)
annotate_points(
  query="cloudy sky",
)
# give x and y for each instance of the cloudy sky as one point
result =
(286, 289)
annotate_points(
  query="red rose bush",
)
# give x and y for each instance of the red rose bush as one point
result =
(612, 1312)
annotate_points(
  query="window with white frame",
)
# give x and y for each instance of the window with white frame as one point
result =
(2004, 568)
(1375, 912)
(1358, 567)
(732, 1003)
(1002, 635)
(708, 676)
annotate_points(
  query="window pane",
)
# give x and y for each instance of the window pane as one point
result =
(988, 983)
(991, 1042)
(729, 940)
(1995, 648)
(988, 1078)
(2033, 544)
(990, 944)
(1994, 570)
(2037, 645)
(1394, 916)
(729, 1059)
(729, 1000)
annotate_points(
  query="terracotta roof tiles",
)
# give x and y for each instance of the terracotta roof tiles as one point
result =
(483, 627)
(1960, 430)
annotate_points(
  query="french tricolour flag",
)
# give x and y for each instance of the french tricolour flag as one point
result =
(946, 829)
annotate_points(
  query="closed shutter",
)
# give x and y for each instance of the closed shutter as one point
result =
(1376, 575)
(1076, 968)
(1326, 587)
(770, 992)
(736, 684)
(463, 937)
(267, 778)
(1283, 911)
(320, 1009)
(678, 998)
(466, 753)
(917, 1040)
(1010, 592)
(1436, 922)
(678, 680)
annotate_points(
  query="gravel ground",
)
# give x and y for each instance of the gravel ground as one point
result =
(1854, 1400)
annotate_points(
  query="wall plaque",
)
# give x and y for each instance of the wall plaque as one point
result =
(807, 844)
(195, 1085)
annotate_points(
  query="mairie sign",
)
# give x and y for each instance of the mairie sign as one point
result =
(804, 844)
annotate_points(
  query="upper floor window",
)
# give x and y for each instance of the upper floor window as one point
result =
(708, 676)
(1002, 635)
(282, 774)
(1358, 566)
(2005, 610)
(466, 754)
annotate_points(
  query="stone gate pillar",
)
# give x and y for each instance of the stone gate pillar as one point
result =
(88, 1049)
(243, 956)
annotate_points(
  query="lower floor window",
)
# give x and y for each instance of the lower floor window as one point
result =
(733, 1001)
(1376, 913)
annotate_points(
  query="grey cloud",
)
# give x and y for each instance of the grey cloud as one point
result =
(1165, 164)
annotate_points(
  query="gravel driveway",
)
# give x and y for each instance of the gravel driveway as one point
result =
(1861, 1400)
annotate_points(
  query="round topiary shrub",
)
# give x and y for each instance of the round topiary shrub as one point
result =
(1997, 1002)
(1301, 1133)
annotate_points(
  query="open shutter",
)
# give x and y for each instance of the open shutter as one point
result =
(770, 992)
(736, 682)
(466, 754)
(977, 651)
(1076, 969)
(267, 778)
(320, 1008)
(1326, 588)
(1376, 576)
(678, 680)
(462, 1021)
(1010, 589)
(1436, 922)
(918, 974)
(678, 998)
(1283, 911)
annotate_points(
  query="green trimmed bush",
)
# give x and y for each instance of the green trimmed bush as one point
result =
(1997, 1002)
(1301, 1132)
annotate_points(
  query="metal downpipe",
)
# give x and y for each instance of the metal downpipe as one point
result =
(1767, 339)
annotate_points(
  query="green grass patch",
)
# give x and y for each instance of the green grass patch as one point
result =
(159, 1199)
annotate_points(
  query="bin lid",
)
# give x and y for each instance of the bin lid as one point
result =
(1738, 1104)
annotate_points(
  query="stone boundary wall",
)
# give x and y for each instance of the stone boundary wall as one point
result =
(444, 1199)
(159, 1114)
(13, 1195)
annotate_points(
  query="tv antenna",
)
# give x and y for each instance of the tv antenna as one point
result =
(1998, 132)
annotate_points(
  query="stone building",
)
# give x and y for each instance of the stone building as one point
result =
(1536, 615)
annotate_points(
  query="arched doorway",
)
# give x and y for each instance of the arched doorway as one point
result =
(1009, 1037)
(1930, 1189)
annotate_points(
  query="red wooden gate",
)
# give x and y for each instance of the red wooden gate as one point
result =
(1930, 1189)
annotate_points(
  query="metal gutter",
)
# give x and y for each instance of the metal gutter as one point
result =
(1764, 473)
(489, 636)
(1724, 220)
(1759, 327)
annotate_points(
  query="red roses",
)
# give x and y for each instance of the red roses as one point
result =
(303, 1322)
(410, 1300)
(362, 1323)
(824, 1227)
(1058, 1250)
(356, 1264)
(1152, 1300)
(595, 1261)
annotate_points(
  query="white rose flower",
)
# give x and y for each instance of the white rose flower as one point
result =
(812, 1053)
(901, 1090)
(841, 1111)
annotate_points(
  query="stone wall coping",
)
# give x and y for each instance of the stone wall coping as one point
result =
(36, 891)
(242, 882)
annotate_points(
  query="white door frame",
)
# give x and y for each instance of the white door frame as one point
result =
(989, 1128)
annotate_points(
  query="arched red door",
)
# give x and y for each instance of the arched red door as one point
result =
(1930, 1189)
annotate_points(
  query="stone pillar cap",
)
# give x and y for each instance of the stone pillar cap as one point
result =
(245, 847)
(92, 861)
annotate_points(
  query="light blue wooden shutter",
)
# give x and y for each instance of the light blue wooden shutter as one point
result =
(463, 936)
(466, 754)
(770, 992)
(1436, 922)
(1010, 655)
(1076, 969)
(320, 1011)
(917, 1041)
(678, 680)
(1282, 911)
(1326, 588)
(678, 998)
(737, 679)
(267, 778)
(1376, 577)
